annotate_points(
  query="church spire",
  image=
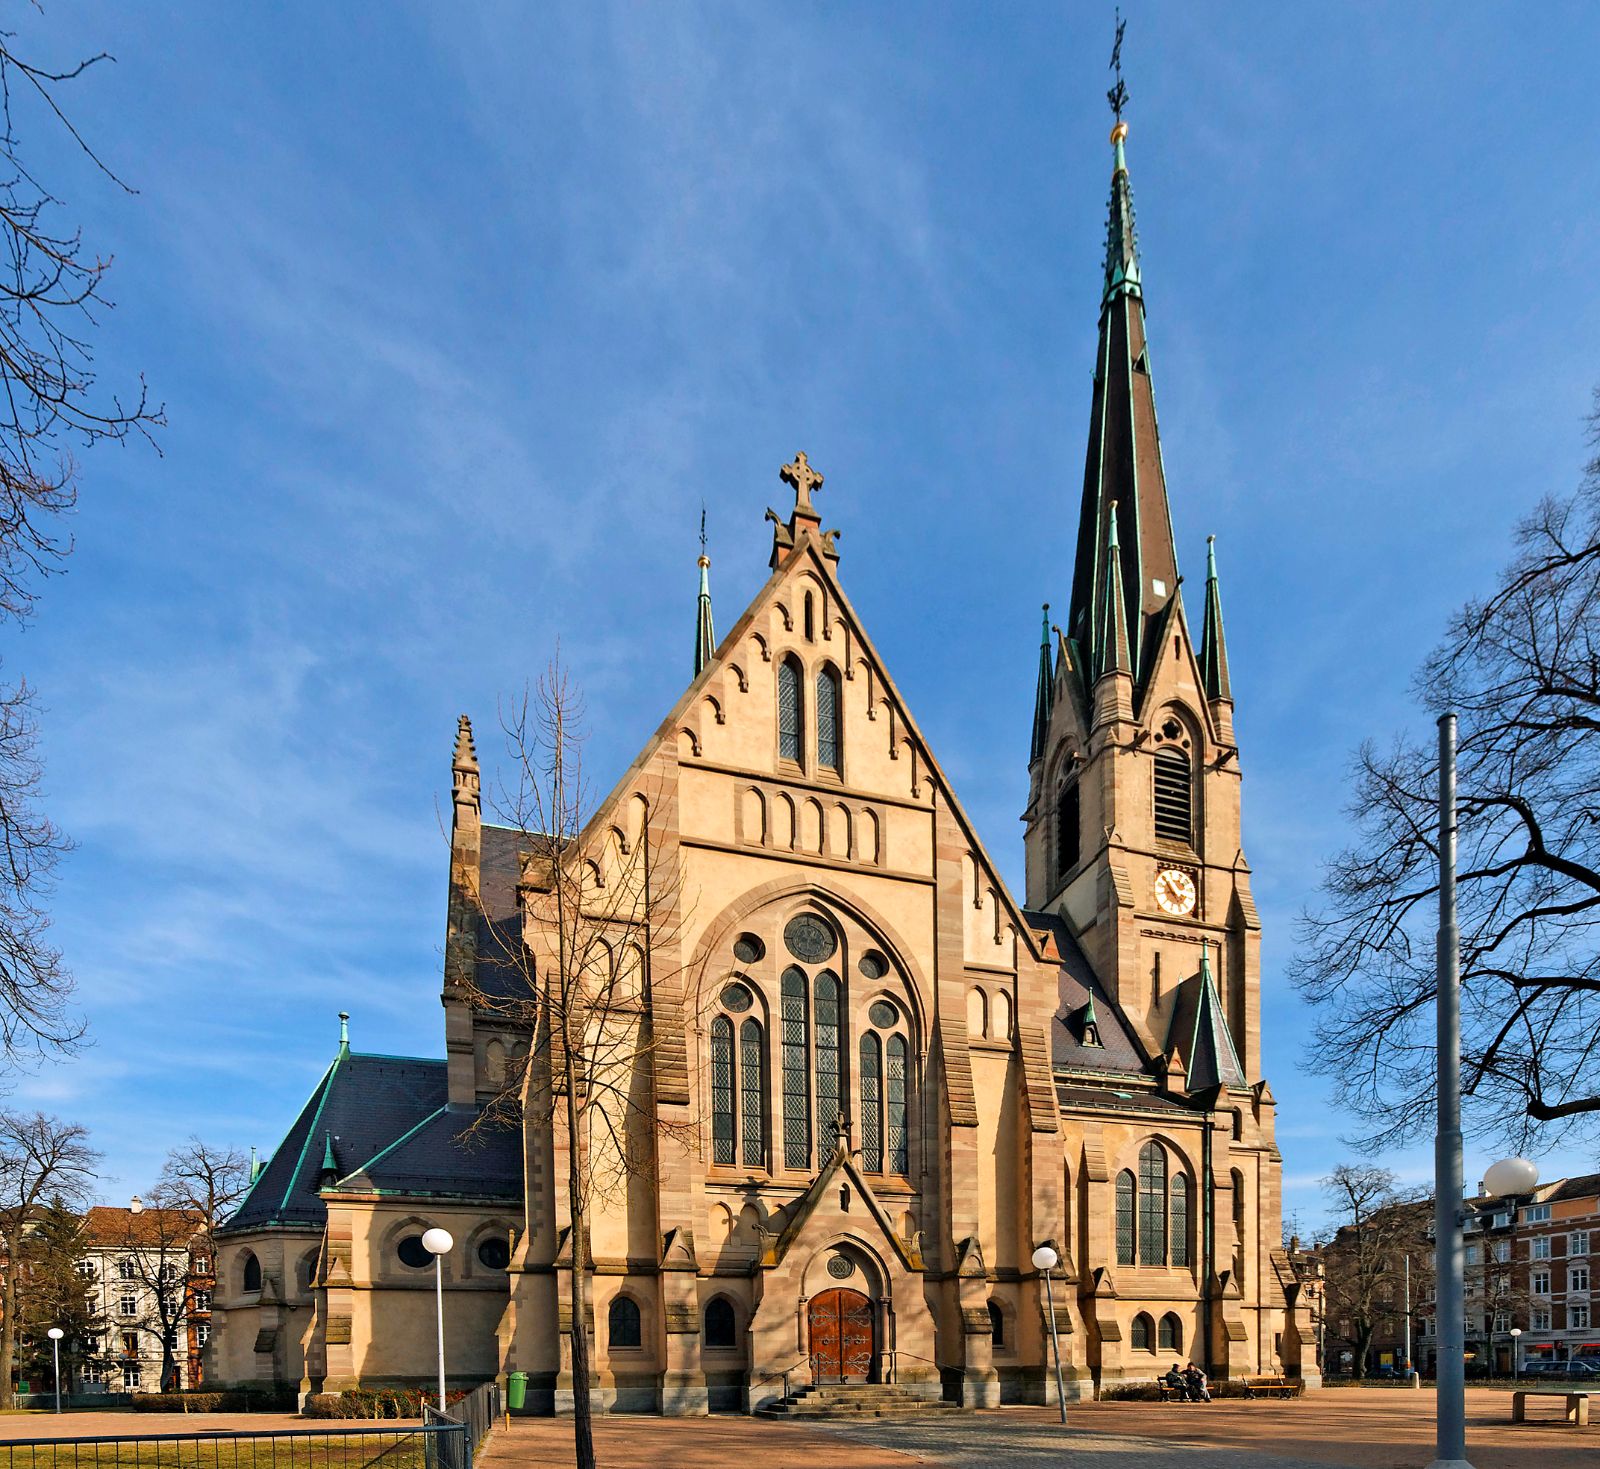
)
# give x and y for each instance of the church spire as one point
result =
(1213, 648)
(1044, 697)
(1123, 468)
(1113, 629)
(705, 638)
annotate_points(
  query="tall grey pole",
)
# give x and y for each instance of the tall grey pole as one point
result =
(1450, 1381)
(438, 1295)
(55, 1351)
(1408, 1315)
(1055, 1342)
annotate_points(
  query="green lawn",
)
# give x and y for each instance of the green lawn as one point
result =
(401, 1449)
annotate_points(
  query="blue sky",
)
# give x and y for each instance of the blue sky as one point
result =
(459, 312)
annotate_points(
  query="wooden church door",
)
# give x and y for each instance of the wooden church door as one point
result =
(841, 1336)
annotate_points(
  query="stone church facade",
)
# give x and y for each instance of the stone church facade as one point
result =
(875, 1080)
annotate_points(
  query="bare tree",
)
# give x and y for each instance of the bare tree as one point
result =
(1365, 1260)
(206, 1181)
(1521, 667)
(599, 912)
(158, 1244)
(43, 1161)
(51, 296)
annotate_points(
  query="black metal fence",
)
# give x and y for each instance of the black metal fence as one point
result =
(476, 1415)
(441, 1443)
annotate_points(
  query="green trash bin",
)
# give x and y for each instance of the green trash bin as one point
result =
(516, 1391)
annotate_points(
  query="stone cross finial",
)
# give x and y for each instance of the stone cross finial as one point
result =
(804, 479)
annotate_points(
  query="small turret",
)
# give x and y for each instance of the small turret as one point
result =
(1214, 650)
(1113, 690)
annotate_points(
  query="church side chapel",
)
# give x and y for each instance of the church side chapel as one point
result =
(874, 1081)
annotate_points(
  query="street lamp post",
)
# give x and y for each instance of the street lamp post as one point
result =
(1045, 1260)
(1516, 1331)
(438, 1243)
(55, 1334)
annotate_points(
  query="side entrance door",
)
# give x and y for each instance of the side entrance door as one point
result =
(840, 1324)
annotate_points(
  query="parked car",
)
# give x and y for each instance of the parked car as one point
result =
(1574, 1371)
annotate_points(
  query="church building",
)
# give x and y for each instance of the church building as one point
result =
(862, 1082)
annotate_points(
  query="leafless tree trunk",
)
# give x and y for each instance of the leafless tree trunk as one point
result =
(161, 1240)
(598, 915)
(1521, 668)
(51, 293)
(1365, 1261)
(42, 1160)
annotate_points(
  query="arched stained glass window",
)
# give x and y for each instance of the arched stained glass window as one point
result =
(789, 714)
(1125, 1192)
(1238, 1226)
(753, 1092)
(830, 1061)
(1180, 1219)
(872, 1103)
(719, 1324)
(829, 731)
(622, 1323)
(1141, 1334)
(722, 1090)
(899, 1129)
(1152, 1205)
(796, 1064)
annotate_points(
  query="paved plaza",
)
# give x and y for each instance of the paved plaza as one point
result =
(1336, 1429)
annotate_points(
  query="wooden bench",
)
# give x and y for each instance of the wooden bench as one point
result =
(1271, 1387)
(1577, 1404)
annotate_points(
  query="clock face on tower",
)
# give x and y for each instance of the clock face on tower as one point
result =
(1175, 891)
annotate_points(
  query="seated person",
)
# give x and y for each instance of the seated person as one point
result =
(1194, 1381)
(1175, 1380)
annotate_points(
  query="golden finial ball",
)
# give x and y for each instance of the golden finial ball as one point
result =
(1119, 132)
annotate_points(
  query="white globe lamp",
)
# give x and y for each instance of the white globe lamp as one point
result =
(1510, 1176)
(1045, 1260)
(438, 1241)
(55, 1334)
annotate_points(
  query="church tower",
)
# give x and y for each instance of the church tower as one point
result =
(1133, 831)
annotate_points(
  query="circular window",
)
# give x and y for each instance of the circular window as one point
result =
(737, 998)
(748, 949)
(413, 1252)
(809, 939)
(873, 965)
(494, 1253)
(883, 1012)
(840, 1267)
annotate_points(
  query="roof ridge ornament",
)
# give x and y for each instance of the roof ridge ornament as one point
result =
(803, 479)
(1118, 95)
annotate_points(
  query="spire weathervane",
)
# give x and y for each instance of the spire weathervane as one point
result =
(702, 527)
(1118, 95)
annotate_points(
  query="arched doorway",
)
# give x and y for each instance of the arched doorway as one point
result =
(839, 1330)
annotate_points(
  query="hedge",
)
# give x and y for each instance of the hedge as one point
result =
(230, 1400)
(388, 1402)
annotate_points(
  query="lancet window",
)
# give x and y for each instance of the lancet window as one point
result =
(738, 1083)
(829, 741)
(790, 713)
(1068, 834)
(1152, 1211)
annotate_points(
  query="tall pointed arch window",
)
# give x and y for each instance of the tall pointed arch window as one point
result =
(789, 710)
(1125, 1195)
(830, 1061)
(872, 1102)
(1152, 1205)
(753, 1092)
(1069, 839)
(829, 730)
(722, 1145)
(1179, 1212)
(896, 1105)
(796, 1063)
(1174, 795)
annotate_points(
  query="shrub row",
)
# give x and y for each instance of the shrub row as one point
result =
(395, 1402)
(231, 1400)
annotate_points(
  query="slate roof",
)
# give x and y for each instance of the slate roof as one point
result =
(438, 1157)
(1200, 1032)
(1078, 990)
(363, 1104)
(1586, 1187)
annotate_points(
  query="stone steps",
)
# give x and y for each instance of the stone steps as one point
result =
(855, 1400)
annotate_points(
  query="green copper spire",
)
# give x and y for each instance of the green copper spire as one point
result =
(1213, 647)
(344, 1033)
(1113, 640)
(328, 1174)
(1044, 697)
(705, 637)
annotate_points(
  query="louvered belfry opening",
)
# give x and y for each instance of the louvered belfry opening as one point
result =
(1174, 789)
